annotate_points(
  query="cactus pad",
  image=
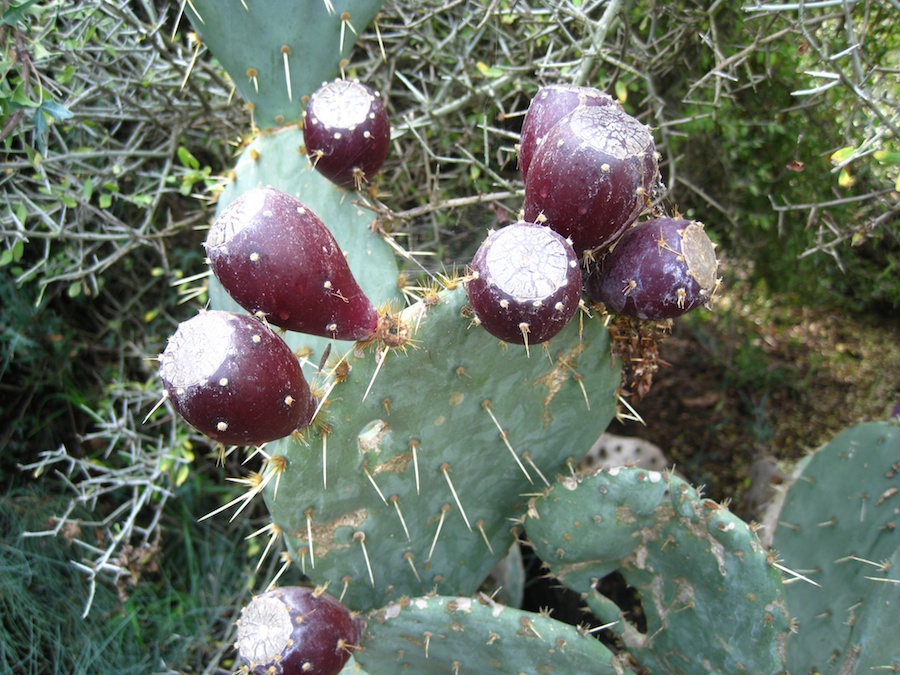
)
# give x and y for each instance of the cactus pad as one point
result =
(410, 487)
(838, 527)
(710, 593)
(438, 634)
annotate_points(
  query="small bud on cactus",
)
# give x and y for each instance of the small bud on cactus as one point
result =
(276, 258)
(592, 176)
(234, 380)
(526, 283)
(347, 132)
(296, 631)
(659, 269)
(548, 107)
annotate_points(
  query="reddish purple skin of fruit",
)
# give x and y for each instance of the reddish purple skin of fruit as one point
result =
(659, 269)
(548, 107)
(274, 256)
(524, 274)
(295, 631)
(347, 132)
(592, 176)
(234, 380)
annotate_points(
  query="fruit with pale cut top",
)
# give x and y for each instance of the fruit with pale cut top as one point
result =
(235, 380)
(548, 107)
(525, 284)
(347, 132)
(295, 630)
(592, 176)
(659, 269)
(276, 258)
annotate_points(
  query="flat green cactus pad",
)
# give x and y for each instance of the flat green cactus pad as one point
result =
(413, 487)
(453, 635)
(710, 594)
(279, 51)
(840, 527)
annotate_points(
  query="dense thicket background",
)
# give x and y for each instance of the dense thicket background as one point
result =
(778, 129)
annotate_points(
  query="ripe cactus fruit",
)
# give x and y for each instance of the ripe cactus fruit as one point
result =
(525, 284)
(275, 257)
(711, 594)
(592, 176)
(838, 526)
(449, 635)
(347, 132)
(295, 630)
(658, 269)
(234, 380)
(548, 107)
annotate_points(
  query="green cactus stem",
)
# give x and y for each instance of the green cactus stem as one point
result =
(421, 456)
(838, 527)
(279, 51)
(438, 634)
(710, 593)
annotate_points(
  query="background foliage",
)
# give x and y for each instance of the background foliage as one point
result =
(777, 127)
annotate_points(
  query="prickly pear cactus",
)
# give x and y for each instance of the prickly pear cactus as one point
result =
(838, 527)
(710, 593)
(421, 454)
(439, 634)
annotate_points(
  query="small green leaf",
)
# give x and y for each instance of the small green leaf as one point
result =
(887, 157)
(842, 155)
(183, 472)
(187, 159)
(56, 111)
(621, 91)
(845, 179)
(488, 71)
(105, 200)
(87, 189)
(74, 289)
(16, 13)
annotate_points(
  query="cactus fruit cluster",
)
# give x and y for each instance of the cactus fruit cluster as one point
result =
(431, 442)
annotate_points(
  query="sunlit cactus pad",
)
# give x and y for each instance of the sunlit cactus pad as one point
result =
(422, 477)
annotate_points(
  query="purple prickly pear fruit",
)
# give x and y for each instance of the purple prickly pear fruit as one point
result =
(235, 380)
(296, 630)
(276, 258)
(548, 107)
(525, 284)
(347, 132)
(592, 176)
(659, 269)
